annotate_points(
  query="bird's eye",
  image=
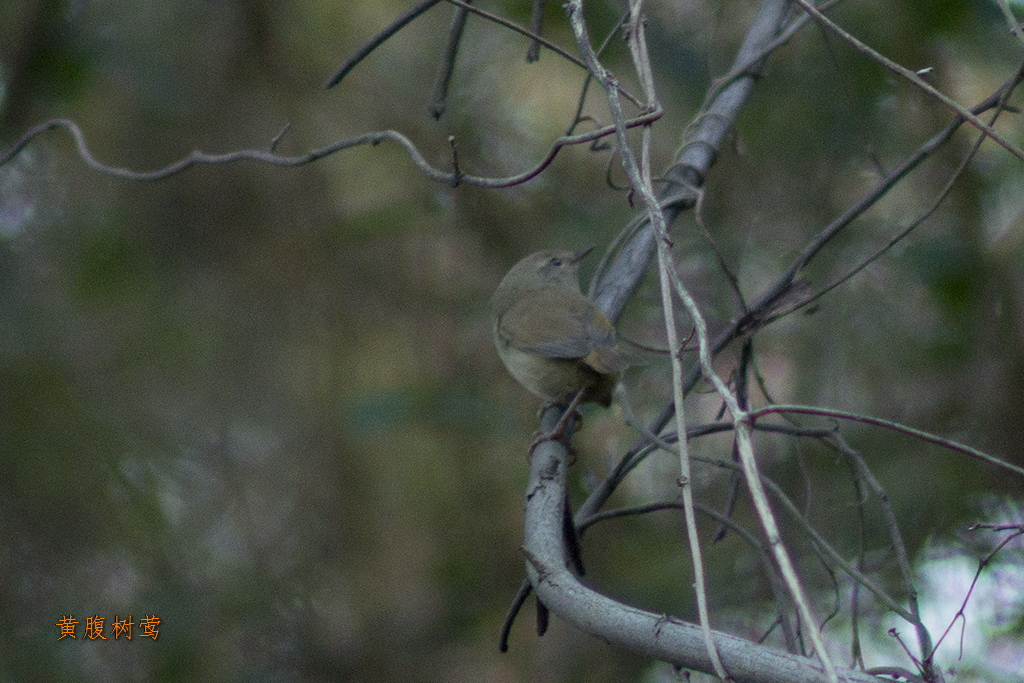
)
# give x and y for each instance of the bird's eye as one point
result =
(556, 262)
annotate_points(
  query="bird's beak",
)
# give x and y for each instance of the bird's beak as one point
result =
(578, 256)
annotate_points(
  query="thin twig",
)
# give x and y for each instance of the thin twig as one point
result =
(911, 76)
(198, 157)
(982, 564)
(439, 100)
(375, 42)
(639, 177)
(1012, 22)
(894, 426)
(501, 21)
(774, 580)
(744, 442)
(536, 25)
(997, 101)
(924, 638)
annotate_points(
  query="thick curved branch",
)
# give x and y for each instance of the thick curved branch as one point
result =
(659, 636)
(679, 192)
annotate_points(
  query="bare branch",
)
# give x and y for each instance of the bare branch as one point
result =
(894, 426)
(659, 636)
(439, 100)
(913, 77)
(378, 40)
(924, 638)
(198, 157)
(536, 25)
(536, 37)
(996, 100)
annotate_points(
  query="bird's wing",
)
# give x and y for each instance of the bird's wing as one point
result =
(572, 327)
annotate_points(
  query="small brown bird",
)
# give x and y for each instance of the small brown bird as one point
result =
(556, 342)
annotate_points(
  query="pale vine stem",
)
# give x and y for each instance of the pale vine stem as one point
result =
(640, 182)
(669, 279)
(1011, 20)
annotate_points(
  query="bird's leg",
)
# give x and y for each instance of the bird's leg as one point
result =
(558, 433)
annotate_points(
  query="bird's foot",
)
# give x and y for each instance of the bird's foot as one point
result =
(560, 433)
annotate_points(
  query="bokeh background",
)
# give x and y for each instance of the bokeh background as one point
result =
(263, 404)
